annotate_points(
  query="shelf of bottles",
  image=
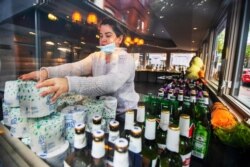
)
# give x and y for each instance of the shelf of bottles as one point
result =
(166, 130)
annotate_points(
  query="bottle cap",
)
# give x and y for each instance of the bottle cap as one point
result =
(98, 135)
(114, 125)
(136, 132)
(121, 145)
(80, 128)
(97, 119)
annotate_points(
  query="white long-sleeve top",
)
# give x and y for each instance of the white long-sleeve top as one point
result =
(114, 77)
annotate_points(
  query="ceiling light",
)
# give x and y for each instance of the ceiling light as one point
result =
(83, 43)
(162, 30)
(148, 12)
(32, 33)
(50, 43)
(193, 41)
(52, 17)
(195, 28)
(161, 17)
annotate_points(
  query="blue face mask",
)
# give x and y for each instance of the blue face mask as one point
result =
(110, 48)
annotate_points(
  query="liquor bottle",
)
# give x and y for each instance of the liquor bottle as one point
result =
(149, 147)
(80, 156)
(170, 156)
(135, 146)
(112, 136)
(206, 97)
(129, 124)
(121, 158)
(98, 149)
(202, 135)
(161, 134)
(96, 123)
(185, 148)
(140, 116)
(180, 100)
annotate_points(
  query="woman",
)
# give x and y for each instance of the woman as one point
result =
(112, 72)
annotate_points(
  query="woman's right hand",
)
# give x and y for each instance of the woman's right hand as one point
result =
(35, 75)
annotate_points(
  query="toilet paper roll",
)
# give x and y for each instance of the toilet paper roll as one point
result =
(10, 93)
(32, 104)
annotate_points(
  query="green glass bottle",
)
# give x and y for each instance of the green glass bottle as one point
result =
(149, 147)
(186, 145)
(140, 116)
(170, 157)
(161, 134)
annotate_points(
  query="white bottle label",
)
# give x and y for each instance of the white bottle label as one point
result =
(129, 120)
(121, 159)
(113, 136)
(135, 144)
(140, 114)
(97, 150)
(180, 97)
(65, 164)
(172, 141)
(80, 141)
(150, 129)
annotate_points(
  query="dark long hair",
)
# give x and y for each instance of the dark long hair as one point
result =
(115, 26)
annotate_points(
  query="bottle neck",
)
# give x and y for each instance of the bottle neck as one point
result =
(173, 138)
(140, 118)
(121, 159)
(113, 135)
(80, 141)
(98, 149)
(164, 121)
(184, 124)
(96, 127)
(135, 144)
(129, 120)
(150, 129)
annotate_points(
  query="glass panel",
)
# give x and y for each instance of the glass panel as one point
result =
(178, 60)
(244, 90)
(215, 68)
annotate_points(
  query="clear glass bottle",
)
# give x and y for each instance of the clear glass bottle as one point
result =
(98, 149)
(186, 146)
(161, 134)
(129, 124)
(149, 146)
(80, 156)
(171, 156)
(121, 158)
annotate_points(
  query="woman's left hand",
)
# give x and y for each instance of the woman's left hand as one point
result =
(57, 86)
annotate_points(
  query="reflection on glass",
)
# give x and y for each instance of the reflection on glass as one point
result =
(217, 56)
(244, 93)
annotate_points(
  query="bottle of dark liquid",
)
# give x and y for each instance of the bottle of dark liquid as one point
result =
(129, 124)
(112, 136)
(80, 156)
(135, 146)
(98, 149)
(185, 148)
(149, 147)
(171, 156)
(121, 158)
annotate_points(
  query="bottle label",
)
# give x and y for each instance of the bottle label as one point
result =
(129, 120)
(140, 114)
(97, 150)
(80, 141)
(200, 146)
(150, 130)
(186, 159)
(121, 159)
(180, 97)
(113, 136)
(206, 101)
(135, 144)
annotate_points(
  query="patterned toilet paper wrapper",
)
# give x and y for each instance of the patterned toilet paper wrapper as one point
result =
(32, 104)
(73, 115)
(10, 93)
(69, 99)
(110, 106)
(18, 124)
(56, 157)
(46, 133)
(6, 114)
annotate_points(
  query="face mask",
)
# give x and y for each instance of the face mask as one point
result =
(110, 48)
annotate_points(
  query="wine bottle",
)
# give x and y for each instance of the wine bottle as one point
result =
(121, 158)
(140, 116)
(170, 156)
(161, 134)
(97, 123)
(135, 146)
(149, 147)
(112, 136)
(80, 156)
(98, 149)
(185, 148)
(129, 124)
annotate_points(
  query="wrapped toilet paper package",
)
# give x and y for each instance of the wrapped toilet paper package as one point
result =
(46, 133)
(56, 157)
(73, 115)
(69, 99)
(10, 93)
(6, 114)
(18, 124)
(32, 104)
